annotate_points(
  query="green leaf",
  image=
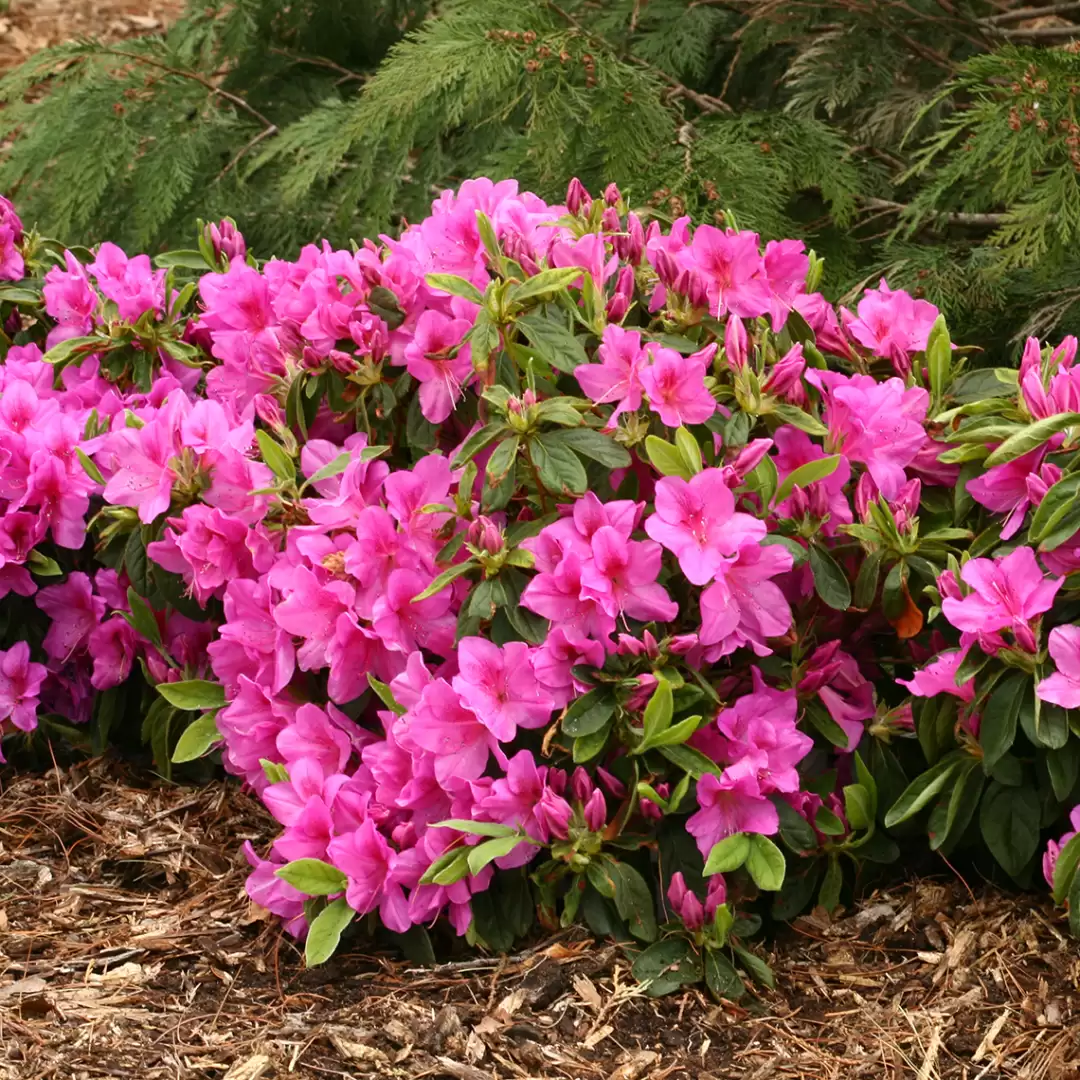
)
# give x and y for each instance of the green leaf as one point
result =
(634, 902)
(502, 459)
(43, 565)
(550, 340)
(666, 459)
(667, 965)
(586, 747)
(659, 710)
(1052, 523)
(89, 467)
(791, 414)
(193, 695)
(1063, 765)
(691, 761)
(1030, 437)
(922, 789)
(273, 453)
(826, 822)
(313, 877)
(547, 281)
(674, 735)
(198, 737)
(450, 867)
(142, 619)
(476, 828)
(331, 468)
(833, 882)
(490, 850)
(476, 442)
(953, 813)
(560, 469)
(829, 579)
(385, 694)
(274, 772)
(64, 352)
(559, 411)
(759, 971)
(444, 579)
(765, 863)
(1009, 821)
(135, 563)
(728, 854)
(1065, 869)
(807, 474)
(997, 730)
(795, 830)
(1074, 907)
(721, 977)
(938, 360)
(594, 445)
(455, 286)
(857, 806)
(588, 713)
(324, 934)
(689, 449)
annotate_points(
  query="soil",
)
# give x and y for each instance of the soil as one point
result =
(128, 948)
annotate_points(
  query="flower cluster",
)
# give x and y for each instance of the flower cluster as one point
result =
(498, 556)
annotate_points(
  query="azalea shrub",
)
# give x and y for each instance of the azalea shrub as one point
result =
(546, 565)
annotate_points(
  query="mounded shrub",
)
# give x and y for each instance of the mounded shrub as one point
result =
(545, 565)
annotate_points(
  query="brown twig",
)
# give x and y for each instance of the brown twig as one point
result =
(955, 218)
(248, 146)
(1019, 14)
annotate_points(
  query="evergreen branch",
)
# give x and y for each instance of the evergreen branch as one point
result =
(1038, 33)
(990, 221)
(194, 76)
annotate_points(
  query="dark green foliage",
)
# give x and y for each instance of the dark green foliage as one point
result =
(934, 143)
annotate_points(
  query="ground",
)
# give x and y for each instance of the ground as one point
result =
(129, 949)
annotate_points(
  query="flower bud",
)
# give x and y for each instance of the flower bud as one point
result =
(905, 506)
(595, 812)
(735, 343)
(667, 269)
(553, 813)
(614, 786)
(866, 491)
(635, 240)
(612, 195)
(1038, 484)
(577, 198)
(785, 379)
(269, 412)
(948, 585)
(485, 535)
(225, 240)
(611, 221)
(581, 785)
(716, 895)
(685, 904)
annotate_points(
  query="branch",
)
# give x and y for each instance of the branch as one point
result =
(957, 218)
(1019, 14)
(1038, 33)
(249, 145)
(239, 102)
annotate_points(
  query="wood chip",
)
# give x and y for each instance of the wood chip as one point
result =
(253, 1068)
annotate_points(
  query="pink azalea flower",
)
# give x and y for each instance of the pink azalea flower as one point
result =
(20, 686)
(835, 677)
(795, 448)
(74, 611)
(499, 686)
(369, 862)
(1063, 686)
(1005, 489)
(132, 284)
(878, 424)
(744, 606)
(891, 324)
(786, 267)
(442, 725)
(684, 903)
(696, 520)
(733, 269)
(621, 577)
(676, 386)
(404, 624)
(310, 611)
(731, 804)
(617, 378)
(428, 358)
(1008, 593)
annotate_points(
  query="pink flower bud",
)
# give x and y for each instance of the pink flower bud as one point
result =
(581, 785)
(1038, 484)
(269, 412)
(617, 307)
(225, 240)
(735, 343)
(553, 813)
(577, 198)
(485, 535)
(905, 506)
(786, 377)
(595, 811)
(611, 221)
(948, 585)
(685, 904)
(667, 269)
(614, 786)
(635, 240)
(342, 361)
(866, 492)
(612, 195)
(716, 895)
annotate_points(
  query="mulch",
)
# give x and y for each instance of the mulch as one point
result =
(129, 949)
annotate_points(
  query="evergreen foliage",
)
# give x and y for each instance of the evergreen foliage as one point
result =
(935, 141)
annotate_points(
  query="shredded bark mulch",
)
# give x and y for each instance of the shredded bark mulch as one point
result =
(129, 949)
